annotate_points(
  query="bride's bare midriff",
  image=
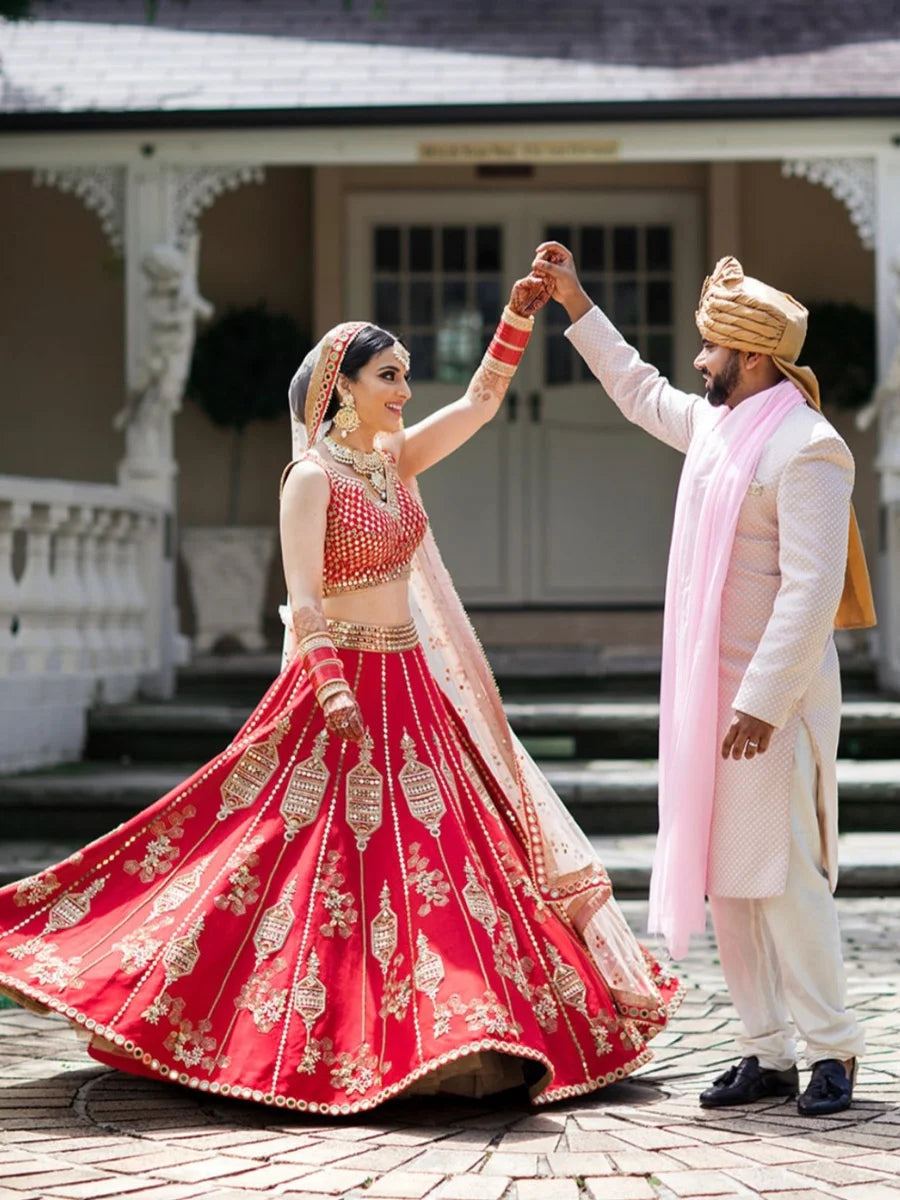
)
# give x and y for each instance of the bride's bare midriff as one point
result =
(385, 604)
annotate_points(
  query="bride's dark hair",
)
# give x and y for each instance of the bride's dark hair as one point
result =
(370, 340)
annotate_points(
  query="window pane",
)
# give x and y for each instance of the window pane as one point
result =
(593, 248)
(659, 352)
(460, 345)
(659, 248)
(421, 241)
(558, 361)
(487, 248)
(387, 248)
(659, 302)
(625, 248)
(487, 292)
(453, 248)
(626, 303)
(421, 303)
(555, 316)
(559, 233)
(387, 303)
(421, 353)
(453, 295)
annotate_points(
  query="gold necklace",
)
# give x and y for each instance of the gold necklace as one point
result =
(369, 464)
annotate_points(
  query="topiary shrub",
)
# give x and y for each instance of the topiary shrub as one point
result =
(242, 364)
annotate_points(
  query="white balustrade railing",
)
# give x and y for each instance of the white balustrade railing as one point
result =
(79, 619)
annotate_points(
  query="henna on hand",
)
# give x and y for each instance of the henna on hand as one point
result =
(487, 387)
(343, 716)
(305, 621)
(529, 295)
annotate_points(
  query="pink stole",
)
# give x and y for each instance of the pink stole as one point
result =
(717, 471)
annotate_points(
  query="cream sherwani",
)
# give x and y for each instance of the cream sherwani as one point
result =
(777, 662)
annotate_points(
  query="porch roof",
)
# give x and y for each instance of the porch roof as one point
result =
(327, 57)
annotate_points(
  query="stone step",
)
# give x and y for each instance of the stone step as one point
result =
(608, 797)
(869, 862)
(614, 727)
(631, 669)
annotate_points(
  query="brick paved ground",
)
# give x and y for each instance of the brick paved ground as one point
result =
(74, 1131)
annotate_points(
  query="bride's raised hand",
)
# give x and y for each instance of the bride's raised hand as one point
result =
(529, 295)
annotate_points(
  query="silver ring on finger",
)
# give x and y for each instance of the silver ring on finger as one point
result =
(753, 745)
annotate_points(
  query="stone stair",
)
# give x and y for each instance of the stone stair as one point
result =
(595, 740)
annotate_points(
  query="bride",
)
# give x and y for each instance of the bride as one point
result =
(372, 890)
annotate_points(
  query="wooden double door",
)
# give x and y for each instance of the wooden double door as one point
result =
(559, 501)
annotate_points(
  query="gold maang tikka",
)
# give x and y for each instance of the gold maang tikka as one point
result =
(347, 418)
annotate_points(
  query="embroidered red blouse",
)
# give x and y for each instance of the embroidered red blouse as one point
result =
(367, 543)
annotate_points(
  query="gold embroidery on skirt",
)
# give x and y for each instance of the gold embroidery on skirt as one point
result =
(138, 948)
(265, 1002)
(160, 853)
(252, 772)
(384, 930)
(449, 777)
(572, 990)
(179, 959)
(306, 789)
(478, 901)
(35, 889)
(73, 907)
(428, 973)
(244, 890)
(180, 889)
(342, 916)
(310, 1000)
(275, 925)
(420, 787)
(478, 784)
(365, 795)
(431, 885)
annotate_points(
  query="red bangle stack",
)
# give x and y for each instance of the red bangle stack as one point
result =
(322, 665)
(508, 343)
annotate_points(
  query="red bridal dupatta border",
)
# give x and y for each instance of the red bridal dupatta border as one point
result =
(717, 471)
(564, 870)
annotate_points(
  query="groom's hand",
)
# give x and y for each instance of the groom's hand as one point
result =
(747, 736)
(555, 264)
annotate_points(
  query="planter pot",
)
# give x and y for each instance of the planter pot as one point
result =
(228, 570)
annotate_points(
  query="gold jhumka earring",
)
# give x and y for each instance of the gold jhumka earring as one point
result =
(347, 418)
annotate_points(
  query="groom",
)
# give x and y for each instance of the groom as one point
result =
(765, 561)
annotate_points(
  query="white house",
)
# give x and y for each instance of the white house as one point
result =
(401, 161)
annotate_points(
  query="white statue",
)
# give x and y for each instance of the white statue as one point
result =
(174, 305)
(886, 401)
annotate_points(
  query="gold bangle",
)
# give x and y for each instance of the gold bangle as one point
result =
(332, 687)
(497, 367)
(315, 641)
(526, 324)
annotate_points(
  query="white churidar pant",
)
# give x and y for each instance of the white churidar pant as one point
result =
(781, 955)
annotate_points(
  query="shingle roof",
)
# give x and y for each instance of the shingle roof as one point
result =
(211, 55)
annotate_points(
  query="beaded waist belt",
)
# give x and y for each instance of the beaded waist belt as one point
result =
(384, 639)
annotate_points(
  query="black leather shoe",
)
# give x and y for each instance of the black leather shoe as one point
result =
(748, 1081)
(830, 1089)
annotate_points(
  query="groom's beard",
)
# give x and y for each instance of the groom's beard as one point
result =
(719, 387)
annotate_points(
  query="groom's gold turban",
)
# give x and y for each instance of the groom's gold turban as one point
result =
(744, 314)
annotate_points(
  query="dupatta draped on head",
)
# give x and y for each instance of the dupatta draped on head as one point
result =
(563, 868)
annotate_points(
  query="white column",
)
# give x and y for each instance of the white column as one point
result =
(150, 221)
(887, 299)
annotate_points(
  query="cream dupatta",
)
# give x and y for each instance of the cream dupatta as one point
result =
(564, 869)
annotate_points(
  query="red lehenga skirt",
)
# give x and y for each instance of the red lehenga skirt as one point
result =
(317, 925)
